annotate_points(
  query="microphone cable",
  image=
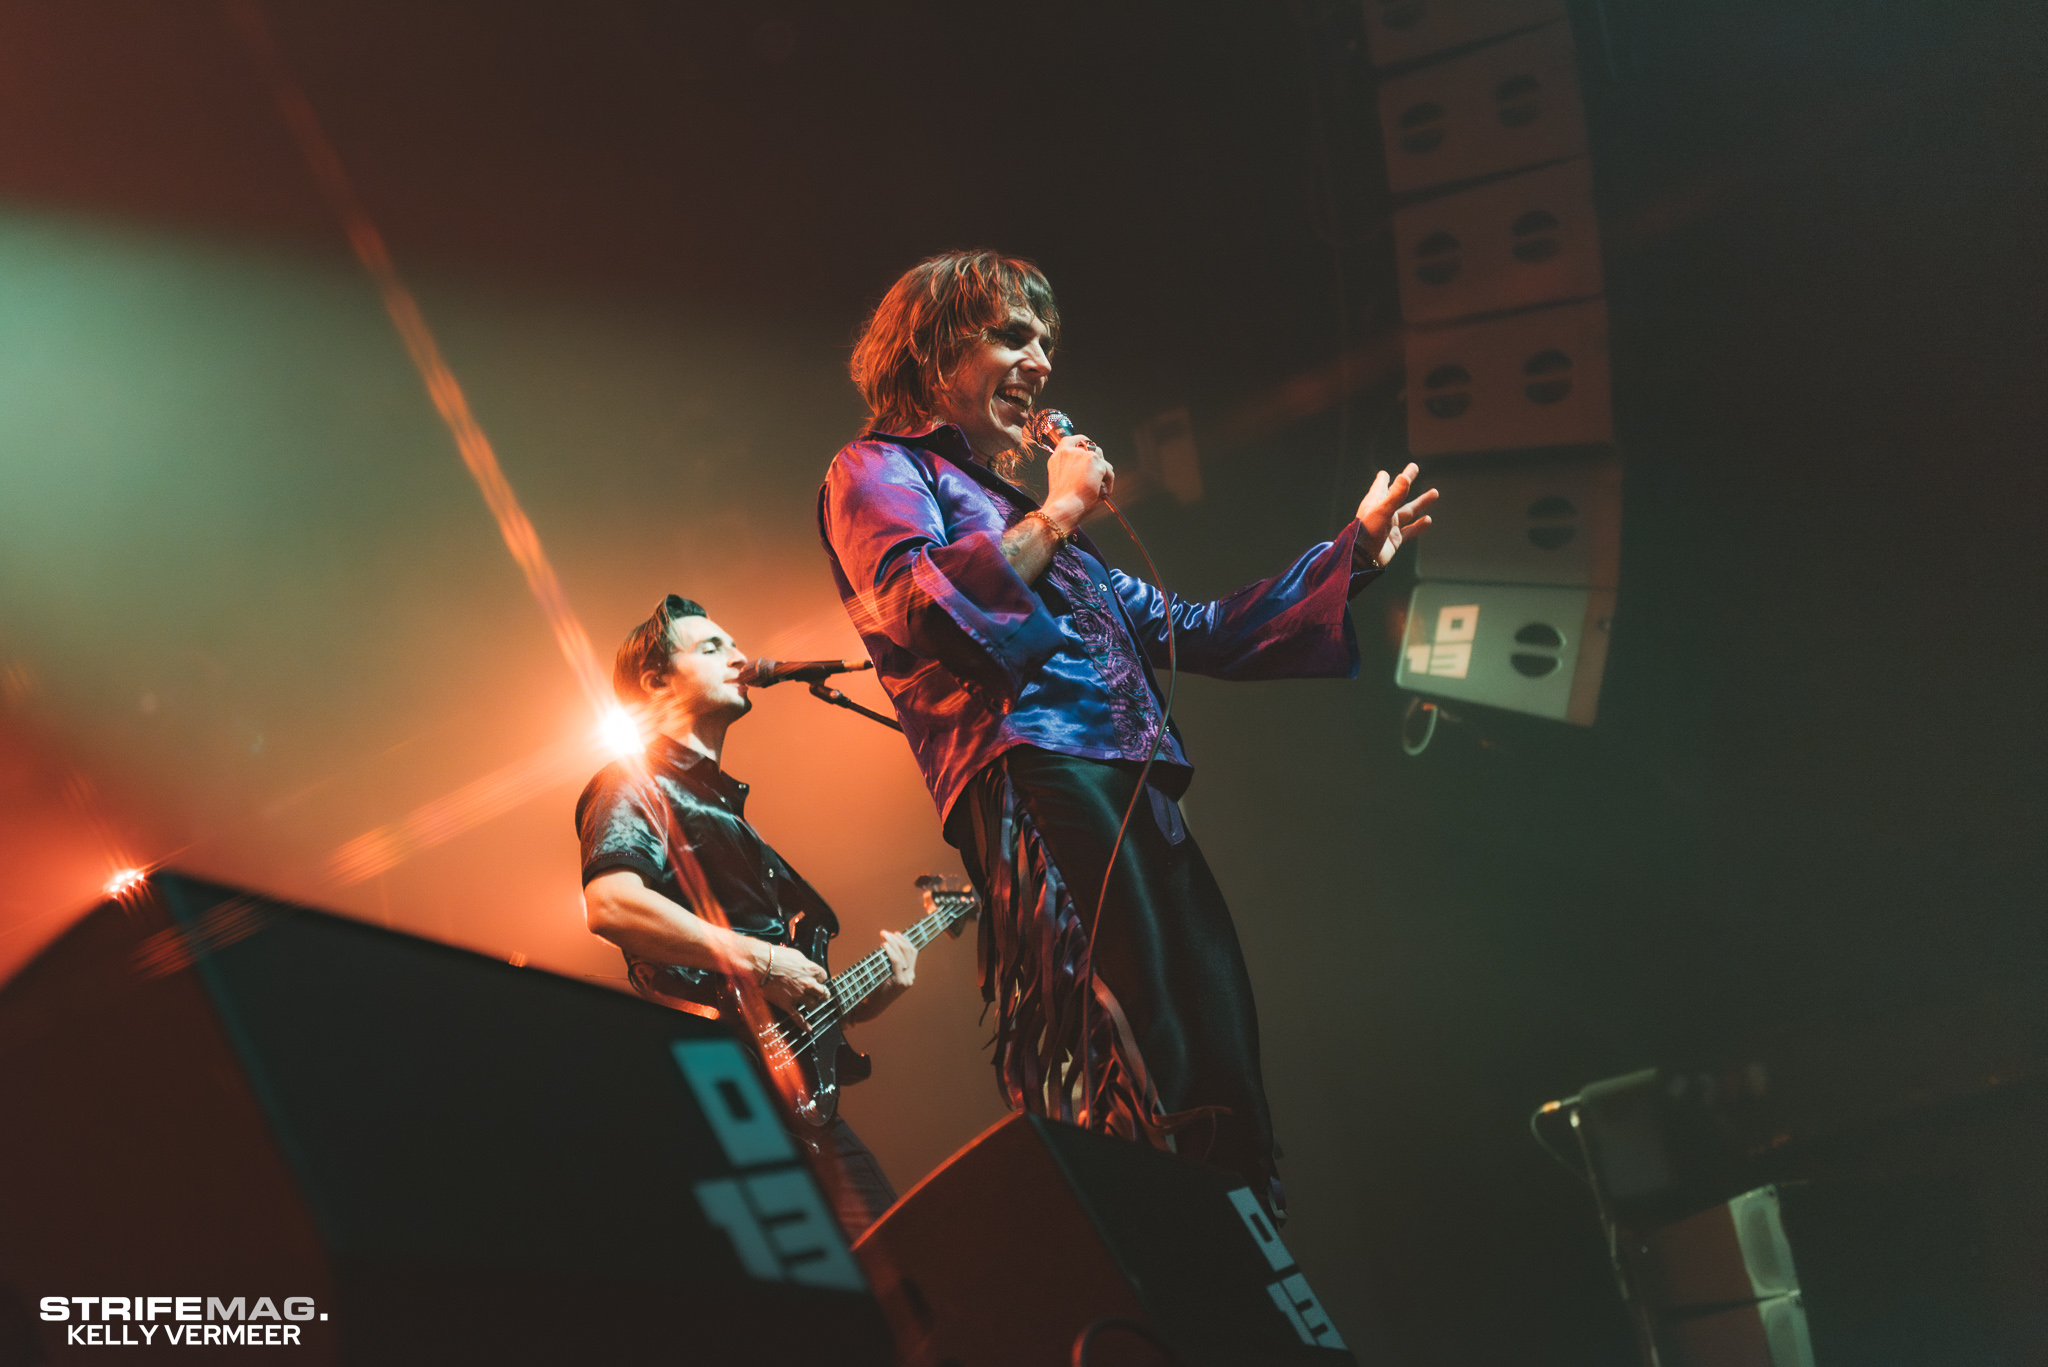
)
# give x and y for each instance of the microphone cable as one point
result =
(1158, 740)
(1047, 428)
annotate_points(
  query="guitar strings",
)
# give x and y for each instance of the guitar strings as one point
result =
(862, 977)
(856, 976)
(822, 1014)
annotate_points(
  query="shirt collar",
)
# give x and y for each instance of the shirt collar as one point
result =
(940, 436)
(946, 439)
(696, 768)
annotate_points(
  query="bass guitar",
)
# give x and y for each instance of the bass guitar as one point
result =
(812, 1042)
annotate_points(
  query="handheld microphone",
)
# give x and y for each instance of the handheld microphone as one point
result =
(1048, 427)
(766, 673)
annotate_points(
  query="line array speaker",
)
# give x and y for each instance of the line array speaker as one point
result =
(1498, 260)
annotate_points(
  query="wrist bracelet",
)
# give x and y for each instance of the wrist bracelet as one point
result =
(769, 971)
(1059, 537)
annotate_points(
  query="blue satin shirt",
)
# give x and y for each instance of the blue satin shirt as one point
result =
(977, 661)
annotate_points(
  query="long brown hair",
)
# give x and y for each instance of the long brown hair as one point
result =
(935, 309)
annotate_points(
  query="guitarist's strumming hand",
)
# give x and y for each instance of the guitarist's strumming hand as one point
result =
(788, 979)
(902, 973)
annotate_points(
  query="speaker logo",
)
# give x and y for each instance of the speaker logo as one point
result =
(1449, 654)
(773, 1211)
(1291, 1294)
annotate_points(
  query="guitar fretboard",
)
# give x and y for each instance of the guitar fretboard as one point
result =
(860, 980)
(853, 986)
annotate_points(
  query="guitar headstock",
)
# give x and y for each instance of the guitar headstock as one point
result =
(953, 898)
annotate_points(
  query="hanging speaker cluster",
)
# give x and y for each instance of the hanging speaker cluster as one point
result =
(1498, 256)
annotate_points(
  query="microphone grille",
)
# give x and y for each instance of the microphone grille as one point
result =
(1048, 427)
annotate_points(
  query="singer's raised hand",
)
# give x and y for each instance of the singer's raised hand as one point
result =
(1385, 522)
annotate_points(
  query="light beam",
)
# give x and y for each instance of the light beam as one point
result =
(513, 524)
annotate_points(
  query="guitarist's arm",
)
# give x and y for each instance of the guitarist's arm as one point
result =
(902, 973)
(619, 906)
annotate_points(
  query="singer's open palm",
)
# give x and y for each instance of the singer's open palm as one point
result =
(1386, 521)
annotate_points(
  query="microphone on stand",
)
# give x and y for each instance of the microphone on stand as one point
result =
(766, 673)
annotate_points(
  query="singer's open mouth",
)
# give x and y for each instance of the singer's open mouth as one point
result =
(1016, 396)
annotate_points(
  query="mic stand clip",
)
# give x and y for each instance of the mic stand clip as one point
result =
(824, 692)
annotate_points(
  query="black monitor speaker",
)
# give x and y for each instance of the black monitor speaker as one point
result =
(226, 1121)
(1038, 1234)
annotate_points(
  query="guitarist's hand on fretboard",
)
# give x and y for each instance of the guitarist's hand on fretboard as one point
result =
(902, 973)
(809, 1044)
(790, 981)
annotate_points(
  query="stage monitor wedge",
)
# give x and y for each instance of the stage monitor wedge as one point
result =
(1037, 1230)
(215, 1094)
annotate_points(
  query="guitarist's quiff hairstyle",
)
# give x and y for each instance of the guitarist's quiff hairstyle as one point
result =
(648, 646)
(935, 310)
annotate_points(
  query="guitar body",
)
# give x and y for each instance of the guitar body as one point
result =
(827, 1060)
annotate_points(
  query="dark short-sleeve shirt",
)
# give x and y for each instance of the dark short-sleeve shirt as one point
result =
(681, 824)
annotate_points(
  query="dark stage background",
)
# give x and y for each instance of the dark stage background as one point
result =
(253, 608)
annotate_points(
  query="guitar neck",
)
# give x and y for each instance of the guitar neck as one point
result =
(860, 980)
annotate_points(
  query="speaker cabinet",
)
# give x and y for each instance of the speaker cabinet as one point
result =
(1528, 649)
(413, 1153)
(1037, 1231)
(1404, 30)
(1769, 1333)
(1884, 1271)
(1530, 239)
(1731, 1253)
(1553, 521)
(1530, 379)
(1509, 105)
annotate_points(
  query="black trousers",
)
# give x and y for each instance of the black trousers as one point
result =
(1165, 945)
(852, 1178)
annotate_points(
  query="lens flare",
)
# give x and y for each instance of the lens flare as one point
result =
(619, 732)
(125, 881)
(439, 821)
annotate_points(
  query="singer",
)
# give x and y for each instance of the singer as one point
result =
(1021, 667)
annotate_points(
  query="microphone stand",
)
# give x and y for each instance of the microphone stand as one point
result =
(824, 692)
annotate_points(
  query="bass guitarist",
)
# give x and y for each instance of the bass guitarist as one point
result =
(675, 876)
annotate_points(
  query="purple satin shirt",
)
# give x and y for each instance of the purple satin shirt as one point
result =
(977, 661)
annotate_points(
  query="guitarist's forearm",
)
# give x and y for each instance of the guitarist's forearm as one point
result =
(622, 909)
